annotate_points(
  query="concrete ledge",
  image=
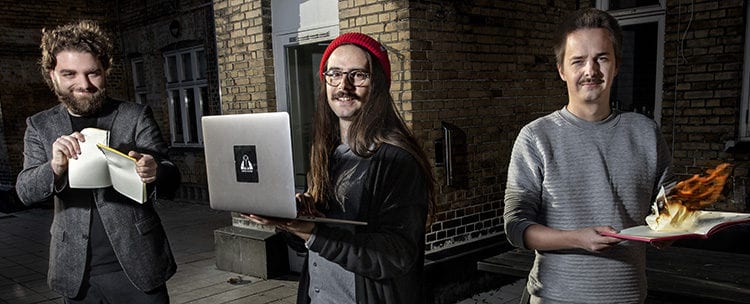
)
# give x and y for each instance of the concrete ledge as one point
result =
(251, 252)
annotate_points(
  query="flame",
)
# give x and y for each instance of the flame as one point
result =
(700, 191)
(677, 210)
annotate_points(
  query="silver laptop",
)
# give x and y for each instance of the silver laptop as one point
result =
(249, 165)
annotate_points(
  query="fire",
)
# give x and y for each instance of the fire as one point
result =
(677, 210)
(700, 191)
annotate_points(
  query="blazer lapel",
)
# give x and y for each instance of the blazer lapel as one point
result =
(61, 121)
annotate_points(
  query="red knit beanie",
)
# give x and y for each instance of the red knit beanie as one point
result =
(363, 41)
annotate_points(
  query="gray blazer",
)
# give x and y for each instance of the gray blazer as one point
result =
(135, 230)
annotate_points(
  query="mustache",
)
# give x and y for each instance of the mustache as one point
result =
(341, 94)
(595, 80)
(86, 90)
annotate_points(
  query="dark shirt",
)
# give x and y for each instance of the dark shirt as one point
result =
(348, 173)
(329, 282)
(100, 254)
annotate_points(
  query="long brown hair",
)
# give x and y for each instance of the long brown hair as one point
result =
(378, 122)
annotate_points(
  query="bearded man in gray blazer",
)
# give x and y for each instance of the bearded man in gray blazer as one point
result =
(105, 247)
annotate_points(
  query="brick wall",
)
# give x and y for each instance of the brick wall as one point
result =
(702, 87)
(25, 92)
(483, 66)
(461, 69)
(6, 178)
(245, 56)
(488, 69)
(144, 31)
(139, 29)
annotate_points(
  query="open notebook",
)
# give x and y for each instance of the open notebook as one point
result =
(249, 165)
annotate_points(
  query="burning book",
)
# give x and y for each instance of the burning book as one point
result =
(677, 210)
(677, 215)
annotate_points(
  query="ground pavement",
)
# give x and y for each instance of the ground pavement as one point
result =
(24, 251)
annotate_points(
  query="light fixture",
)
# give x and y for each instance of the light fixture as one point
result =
(174, 28)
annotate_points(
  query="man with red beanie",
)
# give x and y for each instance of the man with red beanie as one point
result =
(365, 165)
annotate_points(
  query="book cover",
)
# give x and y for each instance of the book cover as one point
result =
(123, 174)
(707, 223)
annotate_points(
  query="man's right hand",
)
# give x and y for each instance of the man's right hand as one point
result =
(592, 240)
(64, 148)
(541, 237)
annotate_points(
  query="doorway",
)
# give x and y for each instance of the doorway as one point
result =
(302, 62)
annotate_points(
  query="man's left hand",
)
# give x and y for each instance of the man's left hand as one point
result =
(145, 166)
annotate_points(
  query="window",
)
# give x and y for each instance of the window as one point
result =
(628, 4)
(139, 80)
(639, 82)
(187, 93)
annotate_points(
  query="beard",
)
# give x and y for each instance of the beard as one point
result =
(83, 106)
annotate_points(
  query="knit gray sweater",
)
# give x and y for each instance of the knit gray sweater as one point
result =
(567, 173)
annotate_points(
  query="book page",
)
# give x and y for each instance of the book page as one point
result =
(707, 223)
(124, 177)
(90, 169)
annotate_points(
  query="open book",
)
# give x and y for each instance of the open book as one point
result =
(100, 166)
(707, 223)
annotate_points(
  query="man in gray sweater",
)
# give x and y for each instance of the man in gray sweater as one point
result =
(582, 170)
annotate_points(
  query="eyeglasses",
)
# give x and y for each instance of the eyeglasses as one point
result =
(358, 78)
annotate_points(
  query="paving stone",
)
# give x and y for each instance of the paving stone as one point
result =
(190, 230)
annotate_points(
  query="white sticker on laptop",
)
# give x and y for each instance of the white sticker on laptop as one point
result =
(246, 164)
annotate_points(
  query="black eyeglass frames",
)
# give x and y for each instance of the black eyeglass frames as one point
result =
(358, 78)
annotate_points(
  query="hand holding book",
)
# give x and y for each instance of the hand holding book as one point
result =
(707, 223)
(100, 166)
(124, 174)
(145, 166)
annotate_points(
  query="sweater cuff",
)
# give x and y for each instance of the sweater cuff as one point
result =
(310, 241)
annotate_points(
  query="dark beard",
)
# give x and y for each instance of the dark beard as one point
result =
(86, 107)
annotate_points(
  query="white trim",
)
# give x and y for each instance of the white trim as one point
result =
(280, 43)
(641, 10)
(303, 22)
(659, 85)
(641, 15)
(172, 126)
(743, 133)
(182, 85)
(143, 89)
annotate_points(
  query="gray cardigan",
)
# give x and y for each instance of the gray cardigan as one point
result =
(135, 230)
